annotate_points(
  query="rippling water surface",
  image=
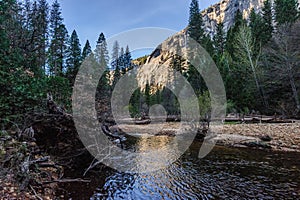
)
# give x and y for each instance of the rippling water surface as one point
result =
(224, 174)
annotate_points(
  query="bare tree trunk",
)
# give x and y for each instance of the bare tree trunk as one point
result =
(253, 66)
(294, 88)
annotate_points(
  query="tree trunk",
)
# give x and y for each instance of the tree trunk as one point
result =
(294, 88)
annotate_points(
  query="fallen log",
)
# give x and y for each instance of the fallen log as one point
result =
(142, 122)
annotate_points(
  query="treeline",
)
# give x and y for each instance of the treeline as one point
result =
(38, 56)
(259, 58)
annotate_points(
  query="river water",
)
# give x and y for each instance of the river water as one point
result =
(226, 173)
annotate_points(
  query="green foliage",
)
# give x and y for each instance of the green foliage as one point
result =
(26, 93)
(101, 52)
(57, 51)
(135, 103)
(87, 50)
(196, 80)
(73, 57)
(286, 11)
(230, 106)
(267, 16)
(257, 27)
(219, 40)
(204, 104)
(195, 27)
(231, 34)
(142, 60)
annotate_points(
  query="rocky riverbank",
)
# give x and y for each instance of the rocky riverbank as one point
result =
(28, 171)
(277, 136)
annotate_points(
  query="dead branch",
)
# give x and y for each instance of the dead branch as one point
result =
(67, 181)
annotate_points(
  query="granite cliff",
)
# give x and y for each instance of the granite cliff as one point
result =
(223, 11)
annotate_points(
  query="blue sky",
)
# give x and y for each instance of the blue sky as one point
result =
(91, 17)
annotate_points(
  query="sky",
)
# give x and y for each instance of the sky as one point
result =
(91, 17)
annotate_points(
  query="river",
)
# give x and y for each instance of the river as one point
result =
(226, 173)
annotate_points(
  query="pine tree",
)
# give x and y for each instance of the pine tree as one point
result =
(101, 57)
(42, 30)
(177, 59)
(55, 18)
(286, 11)
(122, 61)
(195, 27)
(58, 44)
(127, 58)
(37, 27)
(219, 40)
(257, 29)
(73, 57)
(57, 51)
(231, 34)
(267, 16)
(115, 56)
(115, 65)
(101, 52)
(87, 50)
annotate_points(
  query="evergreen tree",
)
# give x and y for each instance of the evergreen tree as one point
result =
(101, 52)
(115, 56)
(219, 40)
(231, 34)
(196, 32)
(286, 11)
(57, 51)
(122, 61)
(36, 27)
(195, 27)
(177, 59)
(147, 95)
(73, 57)
(127, 58)
(58, 44)
(115, 65)
(87, 50)
(101, 57)
(55, 18)
(267, 16)
(257, 29)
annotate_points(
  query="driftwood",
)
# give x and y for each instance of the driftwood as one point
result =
(67, 181)
(142, 122)
(257, 119)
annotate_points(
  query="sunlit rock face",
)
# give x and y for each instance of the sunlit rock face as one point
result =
(225, 10)
(157, 71)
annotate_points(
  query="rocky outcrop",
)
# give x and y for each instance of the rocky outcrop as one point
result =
(157, 72)
(225, 10)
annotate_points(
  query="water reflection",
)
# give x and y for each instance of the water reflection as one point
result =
(224, 173)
